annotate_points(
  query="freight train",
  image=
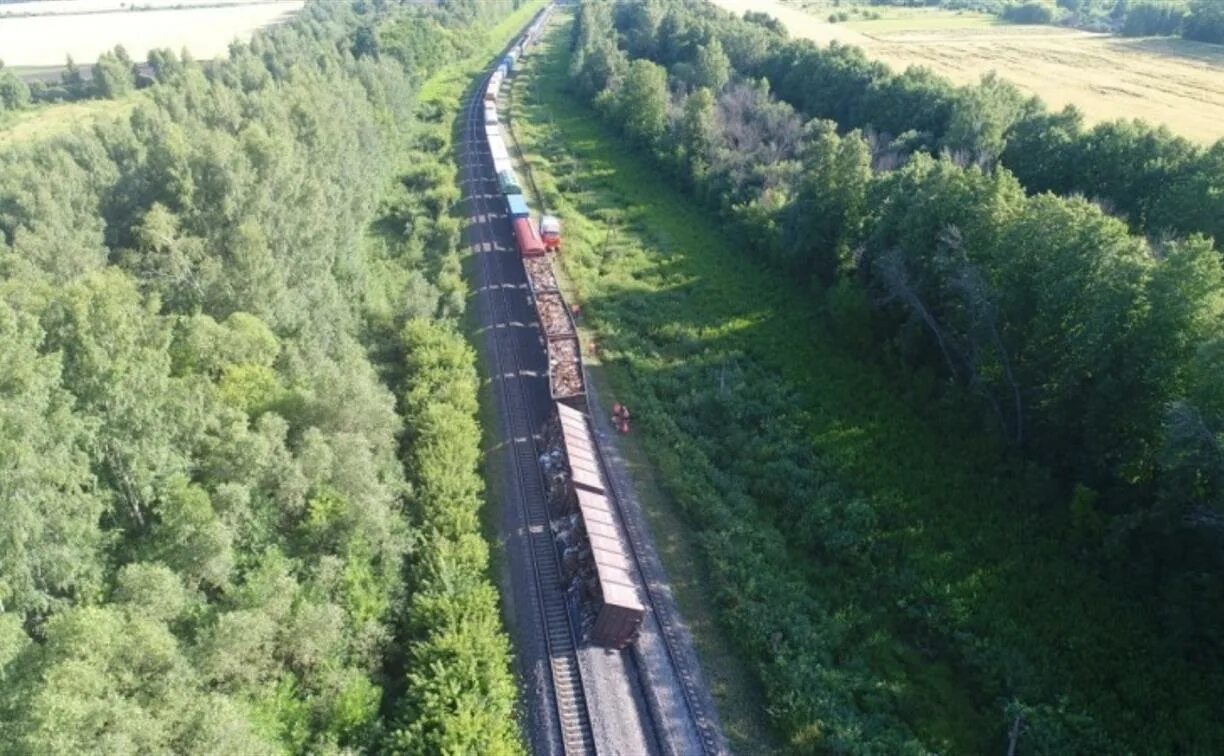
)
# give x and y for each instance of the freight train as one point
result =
(595, 559)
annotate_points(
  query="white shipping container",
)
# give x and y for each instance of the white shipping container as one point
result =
(498, 148)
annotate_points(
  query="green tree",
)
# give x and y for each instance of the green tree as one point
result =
(114, 75)
(713, 66)
(641, 103)
(698, 133)
(981, 119)
(14, 93)
(49, 502)
(1205, 22)
(72, 80)
(830, 206)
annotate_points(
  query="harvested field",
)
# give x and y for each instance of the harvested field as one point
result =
(48, 38)
(1168, 81)
(564, 375)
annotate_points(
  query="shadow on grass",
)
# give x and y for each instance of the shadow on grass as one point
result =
(943, 565)
(1173, 48)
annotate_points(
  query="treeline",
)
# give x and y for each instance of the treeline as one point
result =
(202, 470)
(1162, 184)
(113, 76)
(1198, 20)
(1091, 350)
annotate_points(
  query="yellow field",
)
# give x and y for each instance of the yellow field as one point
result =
(86, 30)
(1169, 81)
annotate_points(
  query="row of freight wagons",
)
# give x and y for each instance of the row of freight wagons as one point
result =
(601, 581)
(546, 236)
(595, 561)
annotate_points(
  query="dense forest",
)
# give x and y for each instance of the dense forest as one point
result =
(974, 243)
(238, 441)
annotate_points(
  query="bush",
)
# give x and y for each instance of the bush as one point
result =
(1205, 22)
(1152, 19)
(1032, 12)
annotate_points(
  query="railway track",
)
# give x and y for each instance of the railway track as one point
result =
(569, 699)
(704, 724)
(706, 727)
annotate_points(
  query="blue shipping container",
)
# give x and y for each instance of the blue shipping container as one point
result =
(517, 205)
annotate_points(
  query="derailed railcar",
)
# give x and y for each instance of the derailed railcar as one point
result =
(526, 238)
(595, 558)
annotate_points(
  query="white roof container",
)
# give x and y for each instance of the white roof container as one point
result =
(498, 148)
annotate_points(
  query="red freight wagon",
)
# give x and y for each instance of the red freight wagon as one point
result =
(528, 238)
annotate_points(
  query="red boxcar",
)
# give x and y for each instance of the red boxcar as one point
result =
(527, 238)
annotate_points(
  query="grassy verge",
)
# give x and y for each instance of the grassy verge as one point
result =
(943, 585)
(420, 220)
(446, 89)
(45, 121)
(735, 690)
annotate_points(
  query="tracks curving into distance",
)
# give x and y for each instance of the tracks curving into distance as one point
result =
(569, 701)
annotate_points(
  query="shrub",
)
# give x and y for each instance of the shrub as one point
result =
(1032, 12)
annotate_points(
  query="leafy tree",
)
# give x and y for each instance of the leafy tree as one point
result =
(72, 80)
(1205, 22)
(641, 102)
(114, 74)
(982, 118)
(14, 93)
(1152, 19)
(831, 202)
(1043, 149)
(1031, 12)
(917, 99)
(165, 64)
(698, 132)
(598, 62)
(713, 68)
(52, 542)
(460, 692)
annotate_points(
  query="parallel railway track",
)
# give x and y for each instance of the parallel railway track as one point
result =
(569, 698)
(704, 724)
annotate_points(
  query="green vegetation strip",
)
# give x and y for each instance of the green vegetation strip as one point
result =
(886, 575)
(237, 437)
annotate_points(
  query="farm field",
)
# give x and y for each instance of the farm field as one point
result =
(46, 39)
(1168, 81)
